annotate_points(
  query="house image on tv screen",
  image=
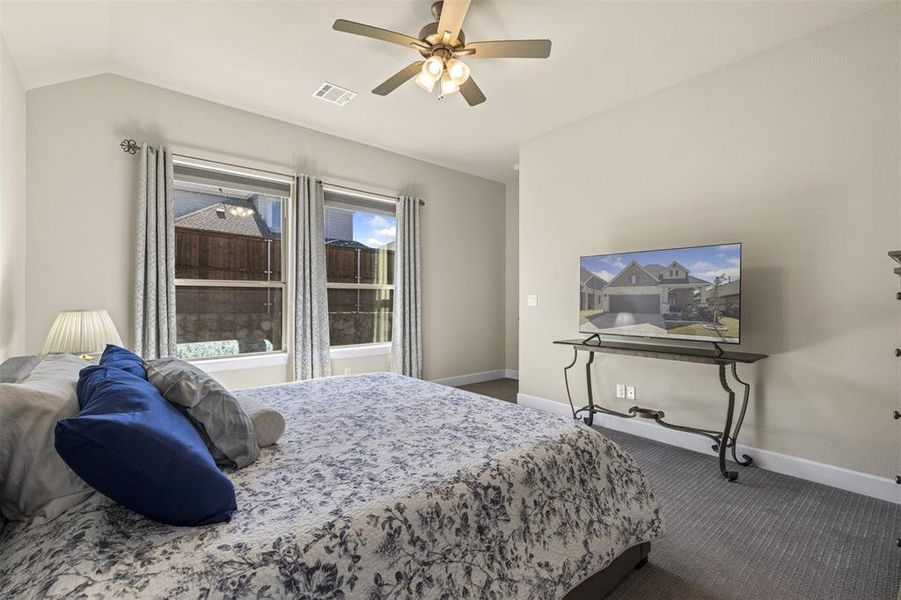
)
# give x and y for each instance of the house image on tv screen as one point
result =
(687, 293)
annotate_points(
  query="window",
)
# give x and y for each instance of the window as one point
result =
(360, 240)
(229, 280)
(633, 279)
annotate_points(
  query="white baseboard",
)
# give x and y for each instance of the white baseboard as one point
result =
(874, 486)
(471, 378)
(511, 374)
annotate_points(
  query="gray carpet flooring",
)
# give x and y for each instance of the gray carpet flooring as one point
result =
(766, 536)
(502, 389)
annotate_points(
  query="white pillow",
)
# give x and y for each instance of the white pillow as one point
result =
(35, 483)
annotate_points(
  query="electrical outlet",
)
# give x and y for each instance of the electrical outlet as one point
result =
(620, 390)
(630, 392)
(532, 300)
(347, 370)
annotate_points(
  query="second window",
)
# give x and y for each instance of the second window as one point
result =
(360, 243)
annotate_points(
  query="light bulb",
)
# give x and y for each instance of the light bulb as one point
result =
(433, 67)
(426, 82)
(458, 71)
(448, 85)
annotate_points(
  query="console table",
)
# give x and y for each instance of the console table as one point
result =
(722, 440)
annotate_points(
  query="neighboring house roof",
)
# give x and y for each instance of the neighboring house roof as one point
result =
(589, 279)
(346, 244)
(732, 288)
(190, 198)
(217, 218)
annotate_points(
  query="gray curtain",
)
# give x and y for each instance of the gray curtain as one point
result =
(406, 335)
(155, 273)
(311, 338)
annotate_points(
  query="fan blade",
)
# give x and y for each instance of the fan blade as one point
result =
(377, 33)
(471, 92)
(510, 49)
(452, 14)
(394, 82)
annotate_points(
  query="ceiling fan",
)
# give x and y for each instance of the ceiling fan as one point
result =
(442, 44)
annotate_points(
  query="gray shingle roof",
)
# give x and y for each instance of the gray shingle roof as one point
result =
(188, 200)
(217, 218)
(347, 244)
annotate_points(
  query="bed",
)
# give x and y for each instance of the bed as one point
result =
(381, 487)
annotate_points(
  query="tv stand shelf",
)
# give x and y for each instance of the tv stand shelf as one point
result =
(722, 440)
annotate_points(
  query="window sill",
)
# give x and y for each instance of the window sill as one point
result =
(235, 363)
(360, 351)
(279, 359)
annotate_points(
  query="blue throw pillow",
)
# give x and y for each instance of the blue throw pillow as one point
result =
(132, 445)
(121, 358)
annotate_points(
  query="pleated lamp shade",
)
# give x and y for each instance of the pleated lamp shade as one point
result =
(77, 331)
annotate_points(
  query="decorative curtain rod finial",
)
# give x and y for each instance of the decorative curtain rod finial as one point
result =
(130, 146)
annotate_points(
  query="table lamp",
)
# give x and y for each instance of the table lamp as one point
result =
(80, 331)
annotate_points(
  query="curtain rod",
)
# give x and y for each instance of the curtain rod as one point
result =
(130, 146)
(368, 193)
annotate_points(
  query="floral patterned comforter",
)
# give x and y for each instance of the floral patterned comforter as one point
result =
(381, 487)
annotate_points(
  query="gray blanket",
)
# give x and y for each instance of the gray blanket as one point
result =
(381, 487)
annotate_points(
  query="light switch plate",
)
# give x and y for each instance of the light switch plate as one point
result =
(532, 300)
(620, 390)
(630, 392)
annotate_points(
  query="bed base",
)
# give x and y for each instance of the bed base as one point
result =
(603, 582)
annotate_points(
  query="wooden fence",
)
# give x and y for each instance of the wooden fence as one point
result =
(232, 257)
(213, 255)
(343, 265)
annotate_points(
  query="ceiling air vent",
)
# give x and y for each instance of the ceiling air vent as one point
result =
(334, 94)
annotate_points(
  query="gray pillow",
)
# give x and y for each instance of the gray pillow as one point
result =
(16, 368)
(225, 427)
(268, 423)
(35, 483)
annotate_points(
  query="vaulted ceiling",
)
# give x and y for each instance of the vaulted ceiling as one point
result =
(268, 57)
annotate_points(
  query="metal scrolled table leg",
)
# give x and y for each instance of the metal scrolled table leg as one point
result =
(724, 441)
(589, 420)
(566, 380)
(746, 460)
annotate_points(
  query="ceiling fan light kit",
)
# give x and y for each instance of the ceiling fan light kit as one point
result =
(448, 86)
(433, 67)
(442, 44)
(426, 82)
(457, 70)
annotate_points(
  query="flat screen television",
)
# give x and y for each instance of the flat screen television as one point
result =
(676, 294)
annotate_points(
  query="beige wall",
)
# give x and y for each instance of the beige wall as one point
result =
(511, 271)
(81, 217)
(794, 152)
(12, 208)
